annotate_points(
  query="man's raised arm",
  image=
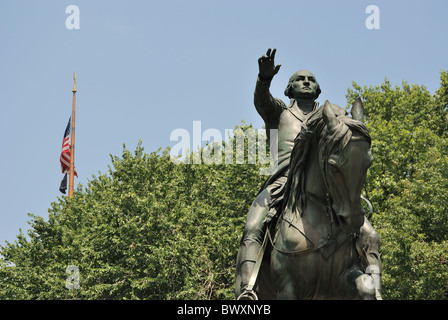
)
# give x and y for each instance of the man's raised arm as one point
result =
(267, 106)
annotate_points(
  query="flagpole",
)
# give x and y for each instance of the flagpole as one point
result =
(72, 147)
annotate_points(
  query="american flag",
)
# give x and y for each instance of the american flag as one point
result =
(65, 153)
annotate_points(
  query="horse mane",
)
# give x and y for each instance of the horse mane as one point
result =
(292, 195)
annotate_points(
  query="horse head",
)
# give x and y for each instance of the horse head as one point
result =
(345, 157)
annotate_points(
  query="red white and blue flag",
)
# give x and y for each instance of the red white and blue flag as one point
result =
(65, 157)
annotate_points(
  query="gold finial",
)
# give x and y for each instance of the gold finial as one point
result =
(74, 82)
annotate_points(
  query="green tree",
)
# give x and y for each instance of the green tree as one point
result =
(408, 185)
(149, 229)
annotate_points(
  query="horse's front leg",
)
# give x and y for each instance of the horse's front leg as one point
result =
(359, 285)
(284, 280)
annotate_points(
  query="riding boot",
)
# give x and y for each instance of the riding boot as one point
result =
(249, 252)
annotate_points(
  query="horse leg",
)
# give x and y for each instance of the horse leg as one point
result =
(359, 285)
(283, 279)
(287, 290)
(287, 276)
(370, 242)
(364, 281)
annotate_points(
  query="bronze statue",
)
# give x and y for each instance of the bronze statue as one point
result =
(303, 214)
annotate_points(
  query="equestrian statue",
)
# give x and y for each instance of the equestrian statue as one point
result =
(306, 234)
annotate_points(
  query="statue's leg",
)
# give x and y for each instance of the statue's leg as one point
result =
(371, 245)
(251, 241)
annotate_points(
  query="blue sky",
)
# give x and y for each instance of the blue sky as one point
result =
(146, 68)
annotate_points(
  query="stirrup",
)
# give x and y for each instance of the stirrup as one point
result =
(248, 295)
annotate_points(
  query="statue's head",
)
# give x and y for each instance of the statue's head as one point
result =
(302, 85)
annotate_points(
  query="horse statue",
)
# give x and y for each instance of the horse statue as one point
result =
(312, 248)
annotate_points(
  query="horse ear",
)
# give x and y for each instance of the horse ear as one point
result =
(358, 110)
(329, 117)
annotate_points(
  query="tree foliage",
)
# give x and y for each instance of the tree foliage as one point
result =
(152, 229)
(149, 229)
(408, 185)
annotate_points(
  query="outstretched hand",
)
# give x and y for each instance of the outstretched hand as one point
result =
(266, 65)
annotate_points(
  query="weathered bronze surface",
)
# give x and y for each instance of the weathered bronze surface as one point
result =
(306, 236)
